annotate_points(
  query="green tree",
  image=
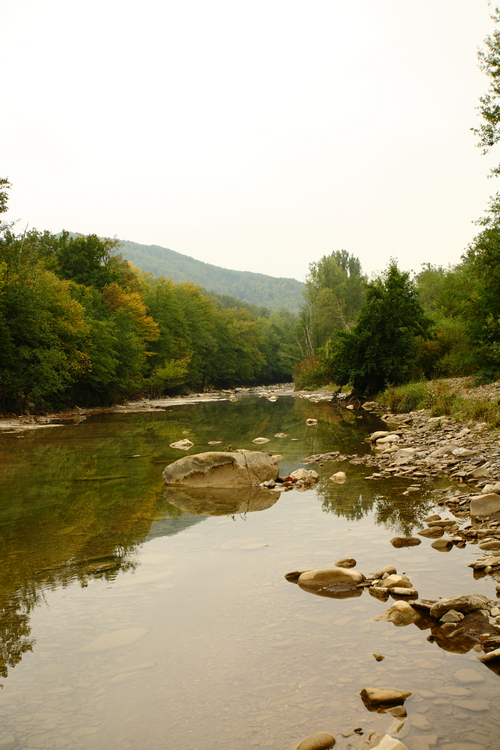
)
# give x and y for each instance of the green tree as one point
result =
(489, 63)
(333, 296)
(381, 348)
(482, 308)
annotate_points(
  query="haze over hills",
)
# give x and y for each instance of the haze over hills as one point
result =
(256, 288)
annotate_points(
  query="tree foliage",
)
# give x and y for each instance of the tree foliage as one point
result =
(381, 347)
(80, 325)
(333, 296)
(489, 62)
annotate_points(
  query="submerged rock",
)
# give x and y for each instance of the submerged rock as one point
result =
(384, 696)
(220, 469)
(182, 445)
(318, 741)
(337, 583)
(400, 613)
(346, 562)
(339, 477)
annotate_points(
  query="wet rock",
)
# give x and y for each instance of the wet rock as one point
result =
(318, 741)
(397, 711)
(400, 613)
(379, 593)
(305, 475)
(221, 469)
(260, 440)
(281, 435)
(376, 741)
(389, 569)
(394, 580)
(493, 544)
(405, 541)
(409, 593)
(384, 696)
(442, 545)
(346, 562)
(330, 576)
(490, 656)
(340, 477)
(377, 435)
(484, 505)
(465, 603)
(431, 533)
(294, 576)
(452, 616)
(182, 445)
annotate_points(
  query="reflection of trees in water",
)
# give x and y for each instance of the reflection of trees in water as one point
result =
(402, 515)
(350, 506)
(76, 502)
(65, 519)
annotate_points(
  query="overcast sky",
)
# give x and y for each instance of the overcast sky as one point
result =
(258, 135)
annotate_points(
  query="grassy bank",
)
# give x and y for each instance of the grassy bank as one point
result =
(455, 397)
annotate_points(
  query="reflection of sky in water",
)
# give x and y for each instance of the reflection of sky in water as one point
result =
(212, 647)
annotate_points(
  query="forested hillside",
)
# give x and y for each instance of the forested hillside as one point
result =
(256, 288)
(80, 325)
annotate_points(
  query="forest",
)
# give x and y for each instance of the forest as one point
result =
(81, 325)
(255, 288)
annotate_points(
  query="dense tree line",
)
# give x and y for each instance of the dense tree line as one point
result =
(80, 325)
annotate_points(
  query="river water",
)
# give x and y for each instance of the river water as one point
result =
(131, 619)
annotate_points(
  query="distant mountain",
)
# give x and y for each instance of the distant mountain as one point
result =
(256, 288)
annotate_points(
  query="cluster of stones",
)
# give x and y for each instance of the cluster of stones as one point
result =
(301, 480)
(426, 447)
(387, 581)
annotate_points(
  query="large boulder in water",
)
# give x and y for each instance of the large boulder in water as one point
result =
(220, 469)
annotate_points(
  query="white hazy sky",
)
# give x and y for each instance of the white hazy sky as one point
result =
(257, 135)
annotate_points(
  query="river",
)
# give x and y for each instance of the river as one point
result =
(131, 621)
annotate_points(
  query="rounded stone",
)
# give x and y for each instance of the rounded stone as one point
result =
(318, 741)
(405, 541)
(346, 562)
(330, 576)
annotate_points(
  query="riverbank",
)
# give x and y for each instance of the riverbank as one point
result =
(25, 423)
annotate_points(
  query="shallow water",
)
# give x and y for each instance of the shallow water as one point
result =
(129, 623)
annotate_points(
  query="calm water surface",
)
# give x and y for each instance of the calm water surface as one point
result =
(133, 619)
